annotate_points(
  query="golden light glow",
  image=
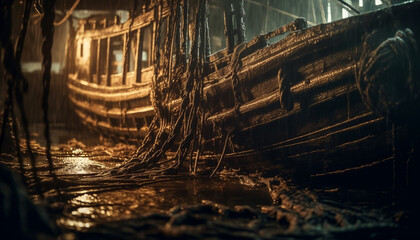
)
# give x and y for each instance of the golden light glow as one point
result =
(77, 164)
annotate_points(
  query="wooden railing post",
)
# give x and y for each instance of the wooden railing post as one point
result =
(137, 69)
(240, 21)
(239, 30)
(230, 41)
(98, 72)
(108, 63)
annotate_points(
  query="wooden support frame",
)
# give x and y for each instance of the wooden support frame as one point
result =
(138, 57)
(239, 13)
(98, 74)
(125, 58)
(185, 32)
(230, 40)
(240, 21)
(136, 61)
(108, 63)
(94, 65)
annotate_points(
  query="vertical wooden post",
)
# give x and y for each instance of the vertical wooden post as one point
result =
(70, 48)
(91, 66)
(207, 33)
(98, 72)
(230, 41)
(108, 63)
(178, 28)
(152, 42)
(126, 51)
(137, 61)
(185, 32)
(203, 32)
(240, 21)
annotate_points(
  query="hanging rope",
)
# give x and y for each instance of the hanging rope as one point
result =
(48, 36)
(185, 33)
(9, 61)
(148, 161)
(6, 111)
(15, 130)
(68, 13)
(227, 139)
(127, 44)
(12, 66)
(18, 54)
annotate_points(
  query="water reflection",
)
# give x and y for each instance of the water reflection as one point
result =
(84, 211)
(85, 198)
(76, 164)
(74, 223)
(85, 208)
(88, 210)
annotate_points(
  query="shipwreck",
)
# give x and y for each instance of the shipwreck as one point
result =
(329, 99)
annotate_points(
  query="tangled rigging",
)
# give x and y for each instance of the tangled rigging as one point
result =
(176, 126)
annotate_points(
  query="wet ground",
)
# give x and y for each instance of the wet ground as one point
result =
(232, 205)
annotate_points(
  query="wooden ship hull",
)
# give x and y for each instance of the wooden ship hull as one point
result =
(315, 103)
(104, 111)
(108, 96)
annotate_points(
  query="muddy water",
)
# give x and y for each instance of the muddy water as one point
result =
(86, 210)
(80, 209)
(230, 206)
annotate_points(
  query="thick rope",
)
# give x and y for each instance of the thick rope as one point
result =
(48, 36)
(18, 54)
(15, 130)
(12, 66)
(68, 13)
(127, 44)
(222, 155)
(147, 161)
(7, 104)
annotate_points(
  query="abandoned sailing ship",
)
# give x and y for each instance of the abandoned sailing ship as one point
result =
(319, 100)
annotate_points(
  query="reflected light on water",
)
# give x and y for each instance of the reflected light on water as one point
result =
(83, 211)
(74, 223)
(79, 164)
(85, 198)
(90, 209)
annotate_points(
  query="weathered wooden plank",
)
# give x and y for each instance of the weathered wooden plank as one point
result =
(107, 128)
(101, 110)
(112, 97)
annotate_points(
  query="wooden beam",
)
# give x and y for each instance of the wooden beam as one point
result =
(240, 21)
(98, 73)
(126, 52)
(230, 40)
(108, 63)
(137, 68)
(112, 97)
